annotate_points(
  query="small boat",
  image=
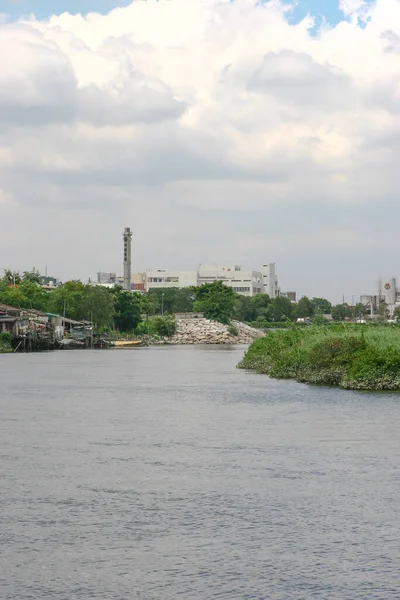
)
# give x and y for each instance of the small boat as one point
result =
(127, 343)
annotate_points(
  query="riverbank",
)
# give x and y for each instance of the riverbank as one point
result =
(349, 357)
(5, 343)
(205, 331)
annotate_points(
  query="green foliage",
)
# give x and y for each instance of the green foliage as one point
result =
(261, 324)
(83, 302)
(360, 310)
(246, 309)
(163, 326)
(281, 309)
(340, 312)
(232, 330)
(5, 342)
(10, 278)
(32, 276)
(262, 309)
(216, 301)
(319, 319)
(342, 355)
(383, 310)
(157, 326)
(304, 308)
(128, 309)
(26, 294)
(322, 306)
(170, 300)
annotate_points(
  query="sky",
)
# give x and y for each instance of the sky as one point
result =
(220, 131)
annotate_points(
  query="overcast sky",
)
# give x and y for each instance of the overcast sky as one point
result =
(243, 132)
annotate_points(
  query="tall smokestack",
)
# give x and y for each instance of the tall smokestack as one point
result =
(127, 235)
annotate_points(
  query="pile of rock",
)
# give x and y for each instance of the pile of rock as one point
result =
(204, 331)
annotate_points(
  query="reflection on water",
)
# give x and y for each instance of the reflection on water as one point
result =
(165, 472)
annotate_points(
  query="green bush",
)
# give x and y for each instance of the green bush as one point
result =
(157, 326)
(232, 330)
(344, 355)
(5, 342)
(262, 324)
(163, 326)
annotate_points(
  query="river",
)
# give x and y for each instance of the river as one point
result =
(164, 473)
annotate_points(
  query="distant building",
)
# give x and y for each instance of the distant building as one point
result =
(388, 292)
(270, 280)
(292, 296)
(106, 278)
(245, 283)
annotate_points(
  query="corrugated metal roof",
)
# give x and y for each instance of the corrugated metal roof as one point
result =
(7, 308)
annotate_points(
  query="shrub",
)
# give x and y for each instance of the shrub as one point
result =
(5, 342)
(232, 330)
(163, 326)
(342, 355)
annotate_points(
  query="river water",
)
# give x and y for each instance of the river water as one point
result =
(163, 473)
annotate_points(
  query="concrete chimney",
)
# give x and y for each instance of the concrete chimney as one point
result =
(127, 236)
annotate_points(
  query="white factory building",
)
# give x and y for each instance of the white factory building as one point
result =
(245, 283)
(388, 292)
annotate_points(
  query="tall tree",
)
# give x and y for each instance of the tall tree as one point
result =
(340, 312)
(128, 309)
(245, 309)
(322, 305)
(281, 309)
(215, 300)
(304, 308)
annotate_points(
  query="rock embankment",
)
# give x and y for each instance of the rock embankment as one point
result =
(204, 331)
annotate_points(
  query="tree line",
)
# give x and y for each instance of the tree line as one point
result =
(125, 310)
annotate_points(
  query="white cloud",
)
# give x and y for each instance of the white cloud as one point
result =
(183, 114)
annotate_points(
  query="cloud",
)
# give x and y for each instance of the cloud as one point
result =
(40, 86)
(203, 125)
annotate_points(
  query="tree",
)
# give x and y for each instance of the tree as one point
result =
(360, 310)
(280, 308)
(128, 309)
(36, 296)
(340, 312)
(11, 277)
(13, 296)
(304, 308)
(83, 302)
(32, 276)
(170, 300)
(245, 309)
(69, 298)
(215, 300)
(322, 306)
(383, 310)
(396, 313)
(98, 305)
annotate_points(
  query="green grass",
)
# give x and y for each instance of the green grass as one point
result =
(350, 356)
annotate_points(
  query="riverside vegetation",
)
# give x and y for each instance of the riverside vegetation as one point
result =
(5, 342)
(349, 356)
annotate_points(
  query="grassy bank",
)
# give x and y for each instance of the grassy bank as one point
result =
(352, 357)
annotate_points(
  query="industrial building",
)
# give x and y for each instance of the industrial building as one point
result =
(245, 283)
(388, 292)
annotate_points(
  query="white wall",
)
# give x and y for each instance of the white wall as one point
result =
(270, 280)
